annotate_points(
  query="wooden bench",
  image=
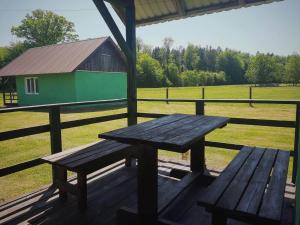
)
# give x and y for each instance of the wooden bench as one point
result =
(250, 189)
(84, 160)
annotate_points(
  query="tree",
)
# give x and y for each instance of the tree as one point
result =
(191, 57)
(292, 69)
(231, 63)
(44, 28)
(262, 69)
(173, 75)
(149, 71)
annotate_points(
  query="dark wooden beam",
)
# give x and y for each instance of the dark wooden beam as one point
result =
(55, 136)
(296, 144)
(131, 72)
(181, 7)
(121, 3)
(113, 28)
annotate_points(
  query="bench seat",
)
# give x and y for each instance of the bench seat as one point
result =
(84, 160)
(250, 189)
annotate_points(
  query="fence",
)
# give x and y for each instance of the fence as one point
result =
(55, 125)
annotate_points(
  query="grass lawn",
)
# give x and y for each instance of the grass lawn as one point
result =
(27, 148)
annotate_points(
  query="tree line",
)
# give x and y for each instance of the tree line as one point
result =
(166, 65)
(196, 65)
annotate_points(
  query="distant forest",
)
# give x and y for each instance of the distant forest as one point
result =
(196, 65)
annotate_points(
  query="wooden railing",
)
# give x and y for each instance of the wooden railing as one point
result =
(200, 107)
(55, 125)
(10, 98)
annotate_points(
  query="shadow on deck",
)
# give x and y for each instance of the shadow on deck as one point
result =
(111, 188)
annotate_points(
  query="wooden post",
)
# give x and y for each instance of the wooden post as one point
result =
(131, 72)
(250, 96)
(198, 150)
(131, 69)
(147, 185)
(167, 94)
(3, 95)
(203, 93)
(296, 143)
(10, 97)
(55, 135)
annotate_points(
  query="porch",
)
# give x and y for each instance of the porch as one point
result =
(115, 186)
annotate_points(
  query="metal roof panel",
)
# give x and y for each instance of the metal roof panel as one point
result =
(51, 59)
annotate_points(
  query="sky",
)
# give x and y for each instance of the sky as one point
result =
(265, 28)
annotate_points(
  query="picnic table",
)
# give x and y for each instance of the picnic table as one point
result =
(177, 133)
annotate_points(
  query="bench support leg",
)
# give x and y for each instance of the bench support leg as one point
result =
(62, 178)
(218, 219)
(82, 191)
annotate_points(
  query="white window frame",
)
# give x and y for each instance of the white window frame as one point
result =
(34, 89)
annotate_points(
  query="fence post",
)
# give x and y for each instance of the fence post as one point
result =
(55, 136)
(167, 94)
(203, 93)
(198, 150)
(250, 96)
(296, 143)
(3, 95)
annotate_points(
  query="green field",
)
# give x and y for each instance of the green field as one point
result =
(27, 148)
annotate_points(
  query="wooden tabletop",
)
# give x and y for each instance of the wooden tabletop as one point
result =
(176, 132)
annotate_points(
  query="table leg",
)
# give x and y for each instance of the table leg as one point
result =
(147, 185)
(198, 156)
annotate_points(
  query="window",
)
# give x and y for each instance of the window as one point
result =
(32, 85)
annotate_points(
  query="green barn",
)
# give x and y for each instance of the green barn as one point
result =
(87, 70)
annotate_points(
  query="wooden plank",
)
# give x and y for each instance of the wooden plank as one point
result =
(7, 135)
(130, 24)
(169, 194)
(258, 101)
(87, 121)
(91, 151)
(273, 199)
(296, 144)
(47, 106)
(19, 167)
(144, 126)
(56, 156)
(235, 190)
(211, 195)
(198, 132)
(227, 146)
(260, 122)
(55, 135)
(163, 134)
(252, 197)
(97, 160)
(151, 115)
(244, 121)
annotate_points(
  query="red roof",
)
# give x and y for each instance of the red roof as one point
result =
(59, 58)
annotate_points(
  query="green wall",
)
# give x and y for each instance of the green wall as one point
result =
(72, 87)
(100, 85)
(52, 89)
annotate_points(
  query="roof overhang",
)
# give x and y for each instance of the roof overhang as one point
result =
(158, 11)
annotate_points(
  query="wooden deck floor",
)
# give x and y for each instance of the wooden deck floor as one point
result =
(108, 190)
